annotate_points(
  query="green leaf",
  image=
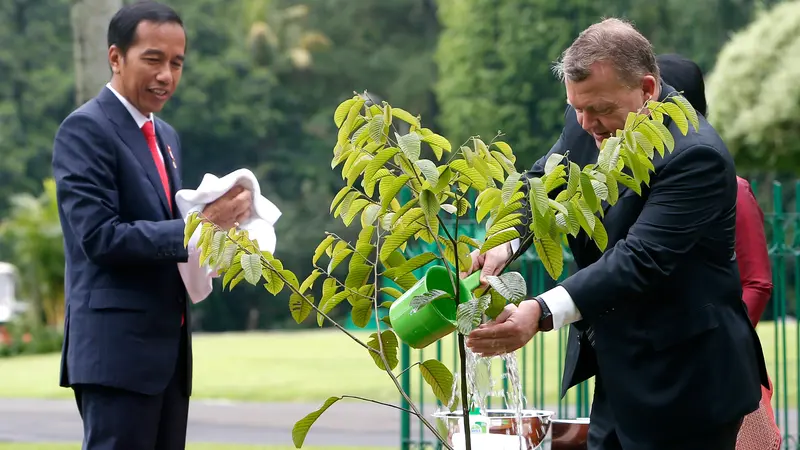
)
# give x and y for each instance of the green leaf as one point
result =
(438, 141)
(370, 214)
(613, 189)
(688, 110)
(496, 306)
(469, 241)
(555, 179)
(414, 264)
(359, 270)
(469, 314)
(552, 161)
(389, 341)
(429, 204)
(239, 277)
(410, 145)
(512, 220)
(340, 252)
(299, 307)
(429, 170)
(339, 196)
(228, 254)
(538, 196)
(510, 286)
(378, 162)
(599, 235)
(302, 426)
(375, 129)
(341, 111)
(309, 281)
(586, 217)
(420, 301)
(191, 225)
(329, 287)
(652, 134)
(639, 138)
(511, 186)
(398, 238)
(333, 302)
(551, 254)
(499, 239)
(275, 285)
(445, 175)
(676, 114)
(439, 378)
(251, 266)
(573, 180)
(505, 149)
(588, 192)
(389, 188)
(231, 273)
(573, 219)
(392, 292)
(627, 181)
(600, 190)
(362, 311)
(473, 177)
(405, 116)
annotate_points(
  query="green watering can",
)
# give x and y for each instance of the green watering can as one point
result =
(435, 320)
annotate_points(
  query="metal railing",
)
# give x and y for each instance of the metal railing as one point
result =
(541, 361)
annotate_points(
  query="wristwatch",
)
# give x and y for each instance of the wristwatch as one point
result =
(546, 319)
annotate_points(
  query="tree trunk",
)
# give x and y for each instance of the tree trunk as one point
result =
(90, 46)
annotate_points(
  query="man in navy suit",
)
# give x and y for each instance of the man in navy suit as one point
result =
(127, 346)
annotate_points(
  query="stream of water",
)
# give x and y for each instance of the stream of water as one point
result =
(483, 384)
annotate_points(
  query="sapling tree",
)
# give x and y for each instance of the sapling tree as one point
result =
(377, 162)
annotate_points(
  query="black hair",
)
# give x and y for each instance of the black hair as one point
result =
(684, 75)
(122, 28)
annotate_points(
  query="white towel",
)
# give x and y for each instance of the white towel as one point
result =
(263, 216)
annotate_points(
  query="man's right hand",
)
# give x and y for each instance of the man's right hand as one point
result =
(230, 209)
(490, 263)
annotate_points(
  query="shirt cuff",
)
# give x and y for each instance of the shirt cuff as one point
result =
(561, 307)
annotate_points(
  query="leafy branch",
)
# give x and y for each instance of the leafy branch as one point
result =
(377, 166)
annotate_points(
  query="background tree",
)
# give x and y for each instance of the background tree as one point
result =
(89, 19)
(753, 93)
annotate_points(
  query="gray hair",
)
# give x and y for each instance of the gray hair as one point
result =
(612, 40)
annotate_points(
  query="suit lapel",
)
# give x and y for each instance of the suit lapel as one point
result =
(133, 137)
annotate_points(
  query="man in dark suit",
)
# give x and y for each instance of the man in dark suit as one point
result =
(127, 346)
(657, 317)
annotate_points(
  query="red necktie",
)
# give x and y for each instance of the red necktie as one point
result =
(150, 135)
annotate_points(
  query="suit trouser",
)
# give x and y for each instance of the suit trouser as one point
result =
(117, 419)
(603, 433)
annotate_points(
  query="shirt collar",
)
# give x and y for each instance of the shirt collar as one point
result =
(135, 113)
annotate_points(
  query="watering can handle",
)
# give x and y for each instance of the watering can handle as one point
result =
(473, 281)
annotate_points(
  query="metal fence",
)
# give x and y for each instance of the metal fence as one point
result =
(540, 362)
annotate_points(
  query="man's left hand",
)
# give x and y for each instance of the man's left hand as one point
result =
(511, 330)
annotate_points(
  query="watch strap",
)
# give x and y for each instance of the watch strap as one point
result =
(546, 319)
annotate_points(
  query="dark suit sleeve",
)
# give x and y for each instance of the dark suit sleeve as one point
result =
(685, 199)
(84, 168)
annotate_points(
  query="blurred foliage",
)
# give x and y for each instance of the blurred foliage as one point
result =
(32, 233)
(495, 58)
(262, 77)
(754, 94)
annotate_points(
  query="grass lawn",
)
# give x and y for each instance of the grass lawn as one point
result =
(47, 446)
(310, 366)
